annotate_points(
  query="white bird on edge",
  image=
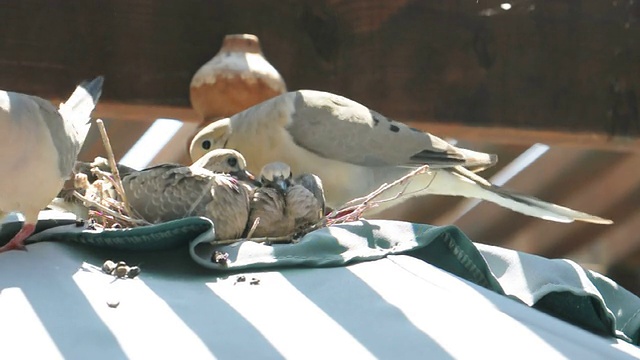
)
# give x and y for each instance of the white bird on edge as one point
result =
(39, 144)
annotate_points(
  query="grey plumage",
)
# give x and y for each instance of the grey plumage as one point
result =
(170, 191)
(354, 150)
(305, 201)
(268, 204)
(285, 205)
(342, 121)
(40, 145)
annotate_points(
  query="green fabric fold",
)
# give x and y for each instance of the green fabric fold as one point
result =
(558, 287)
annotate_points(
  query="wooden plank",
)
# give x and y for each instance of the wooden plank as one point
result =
(513, 136)
(622, 235)
(618, 245)
(566, 67)
(498, 136)
(610, 185)
(490, 223)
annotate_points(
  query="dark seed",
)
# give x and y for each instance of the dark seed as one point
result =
(133, 272)
(220, 257)
(121, 271)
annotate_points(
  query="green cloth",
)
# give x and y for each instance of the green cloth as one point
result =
(558, 287)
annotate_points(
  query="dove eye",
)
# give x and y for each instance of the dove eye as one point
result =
(206, 144)
(232, 161)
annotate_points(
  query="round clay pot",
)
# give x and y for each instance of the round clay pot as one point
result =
(236, 78)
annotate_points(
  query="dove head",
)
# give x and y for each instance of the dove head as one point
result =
(225, 161)
(277, 175)
(211, 137)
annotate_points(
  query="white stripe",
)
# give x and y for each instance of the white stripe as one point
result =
(143, 324)
(150, 143)
(280, 311)
(440, 309)
(20, 328)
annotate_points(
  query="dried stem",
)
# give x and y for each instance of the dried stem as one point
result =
(254, 226)
(353, 212)
(274, 239)
(114, 168)
(115, 214)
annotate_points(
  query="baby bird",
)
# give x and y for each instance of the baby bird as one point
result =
(285, 205)
(269, 207)
(210, 187)
(305, 201)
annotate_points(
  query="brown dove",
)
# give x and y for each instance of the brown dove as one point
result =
(39, 145)
(304, 194)
(355, 150)
(210, 187)
(284, 205)
(269, 207)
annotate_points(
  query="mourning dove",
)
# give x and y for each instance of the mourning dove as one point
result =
(304, 194)
(285, 205)
(209, 187)
(39, 146)
(355, 150)
(305, 200)
(269, 206)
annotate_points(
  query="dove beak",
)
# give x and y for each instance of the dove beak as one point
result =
(281, 183)
(245, 175)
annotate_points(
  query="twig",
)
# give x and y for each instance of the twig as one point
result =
(103, 175)
(112, 163)
(274, 239)
(111, 212)
(254, 226)
(366, 202)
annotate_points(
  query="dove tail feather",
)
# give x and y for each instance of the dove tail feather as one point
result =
(458, 184)
(478, 161)
(81, 103)
(532, 206)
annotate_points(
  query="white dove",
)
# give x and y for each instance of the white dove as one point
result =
(354, 150)
(39, 146)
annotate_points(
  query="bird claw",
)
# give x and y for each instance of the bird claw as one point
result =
(11, 245)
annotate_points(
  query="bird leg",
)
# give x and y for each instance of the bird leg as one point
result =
(17, 243)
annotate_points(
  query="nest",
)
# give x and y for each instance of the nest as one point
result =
(108, 207)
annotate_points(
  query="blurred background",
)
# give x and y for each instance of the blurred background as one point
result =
(550, 86)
